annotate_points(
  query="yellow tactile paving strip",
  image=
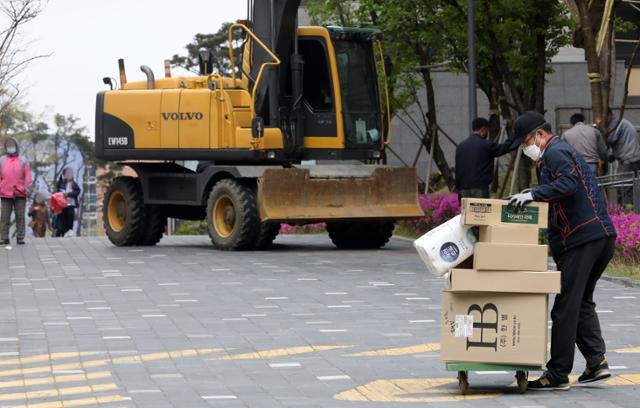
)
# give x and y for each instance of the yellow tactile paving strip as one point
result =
(62, 386)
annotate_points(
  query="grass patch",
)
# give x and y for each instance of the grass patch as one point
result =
(624, 270)
(405, 232)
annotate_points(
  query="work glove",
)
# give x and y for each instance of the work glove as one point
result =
(519, 201)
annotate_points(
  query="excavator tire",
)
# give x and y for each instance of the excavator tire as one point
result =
(232, 216)
(155, 224)
(360, 235)
(266, 236)
(124, 213)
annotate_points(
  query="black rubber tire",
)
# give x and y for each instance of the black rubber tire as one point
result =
(155, 225)
(266, 236)
(246, 228)
(522, 378)
(360, 235)
(134, 225)
(463, 382)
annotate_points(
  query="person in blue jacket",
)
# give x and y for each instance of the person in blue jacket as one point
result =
(582, 240)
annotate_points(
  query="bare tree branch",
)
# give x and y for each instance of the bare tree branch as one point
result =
(14, 15)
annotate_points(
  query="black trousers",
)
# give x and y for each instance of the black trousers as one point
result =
(575, 321)
(64, 221)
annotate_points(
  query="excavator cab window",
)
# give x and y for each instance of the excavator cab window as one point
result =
(317, 89)
(359, 87)
(317, 81)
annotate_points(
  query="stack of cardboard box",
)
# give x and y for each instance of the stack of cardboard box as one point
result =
(497, 311)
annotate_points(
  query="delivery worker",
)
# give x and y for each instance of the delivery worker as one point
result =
(582, 240)
(474, 161)
(15, 179)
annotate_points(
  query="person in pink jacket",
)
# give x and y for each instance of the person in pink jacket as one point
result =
(15, 179)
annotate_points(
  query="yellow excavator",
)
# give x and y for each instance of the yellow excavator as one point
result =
(296, 133)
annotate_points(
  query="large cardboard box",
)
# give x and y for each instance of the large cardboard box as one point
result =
(499, 328)
(510, 257)
(507, 234)
(470, 280)
(485, 211)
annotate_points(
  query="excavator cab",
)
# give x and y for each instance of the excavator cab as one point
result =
(353, 94)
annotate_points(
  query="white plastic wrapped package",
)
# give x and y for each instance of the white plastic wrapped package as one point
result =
(446, 246)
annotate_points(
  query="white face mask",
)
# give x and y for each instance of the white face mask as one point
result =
(534, 152)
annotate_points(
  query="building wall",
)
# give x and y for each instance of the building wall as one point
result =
(567, 87)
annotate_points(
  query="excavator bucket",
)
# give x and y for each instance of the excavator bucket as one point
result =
(338, 193)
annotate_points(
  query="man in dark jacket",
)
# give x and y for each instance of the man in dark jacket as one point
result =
(582, 240)
(474, 161)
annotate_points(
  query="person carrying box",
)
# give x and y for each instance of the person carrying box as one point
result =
(582, 239)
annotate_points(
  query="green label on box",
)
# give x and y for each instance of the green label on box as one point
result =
(529, 215)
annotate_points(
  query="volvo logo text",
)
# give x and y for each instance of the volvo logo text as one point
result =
(182, 115)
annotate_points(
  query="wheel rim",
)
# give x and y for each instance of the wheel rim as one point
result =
(224, 216)
(117, 211)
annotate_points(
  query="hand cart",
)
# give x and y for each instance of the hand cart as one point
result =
(522, 373)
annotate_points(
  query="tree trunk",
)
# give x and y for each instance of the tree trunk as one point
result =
(593, 66)
(432, 132)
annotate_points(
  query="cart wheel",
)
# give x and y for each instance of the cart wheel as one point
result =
(463, 382)
(522, 377)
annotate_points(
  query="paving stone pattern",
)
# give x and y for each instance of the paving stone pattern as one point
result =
(305, 325)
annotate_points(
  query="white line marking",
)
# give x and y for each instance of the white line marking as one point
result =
(219, 397)
(422, 321)
(284, 365)
(333, 377)
(166, 375)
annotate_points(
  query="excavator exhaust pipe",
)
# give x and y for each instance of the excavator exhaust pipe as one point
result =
(338, 194)
(123, 73)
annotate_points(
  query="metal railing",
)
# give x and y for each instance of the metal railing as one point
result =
(622, 188)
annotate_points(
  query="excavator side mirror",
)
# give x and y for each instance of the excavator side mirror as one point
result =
(205, 60)
(257, 127)
(108, 81)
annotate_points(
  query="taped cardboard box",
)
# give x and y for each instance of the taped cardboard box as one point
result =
(510, 257)
(471, 280)
(485, 211)
(500, 328)
(507, 234)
